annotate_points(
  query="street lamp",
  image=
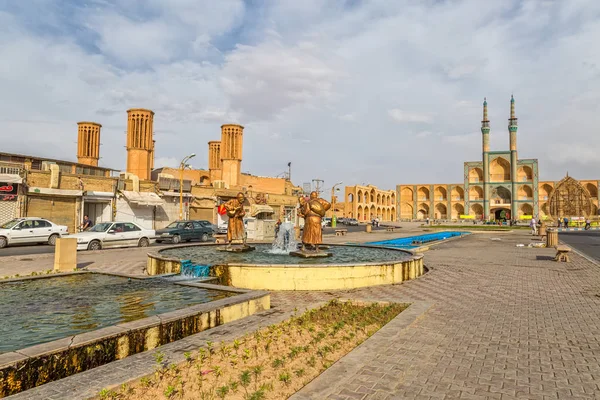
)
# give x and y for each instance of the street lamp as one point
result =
(333, 218)
(181, 168)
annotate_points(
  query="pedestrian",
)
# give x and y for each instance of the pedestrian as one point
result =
(558, 222)
(277, 226)
(566, 222)
(87, 223)
(427, 221)
(588, 224)
(533, 225)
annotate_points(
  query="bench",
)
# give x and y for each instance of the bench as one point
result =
(390, 228)
(341, 232)
(220, 238)
(562, 253)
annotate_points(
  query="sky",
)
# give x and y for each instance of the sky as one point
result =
(360, 92)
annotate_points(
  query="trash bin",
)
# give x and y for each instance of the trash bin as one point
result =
(368, 228)
(542, 231)
(551, 237)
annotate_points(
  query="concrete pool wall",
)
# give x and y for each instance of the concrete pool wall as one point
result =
(33, 366)
(304, 276)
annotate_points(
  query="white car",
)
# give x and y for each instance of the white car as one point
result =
(31, 230)
(114, 234)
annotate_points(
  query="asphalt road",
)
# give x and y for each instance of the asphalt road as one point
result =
(587, 242)
(23, 250)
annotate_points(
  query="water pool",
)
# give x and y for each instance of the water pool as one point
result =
(41, 310)
(413, 242)
(208, 255)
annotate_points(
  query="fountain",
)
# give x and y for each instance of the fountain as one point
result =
(285, 239)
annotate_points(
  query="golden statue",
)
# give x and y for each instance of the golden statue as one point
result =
(313, 212)
(236, 213)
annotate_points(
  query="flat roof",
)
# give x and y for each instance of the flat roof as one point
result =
(55, 160)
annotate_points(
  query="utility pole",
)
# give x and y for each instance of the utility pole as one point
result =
(318, 183)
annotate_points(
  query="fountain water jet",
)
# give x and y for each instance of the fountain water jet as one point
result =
(285, 240)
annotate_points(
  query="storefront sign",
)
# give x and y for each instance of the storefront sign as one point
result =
(8, 191)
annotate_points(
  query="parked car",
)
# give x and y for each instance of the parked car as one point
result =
(222, 229)
(31, 230)
(341, 221)
(326, 222)
(185, 231)
(114, 234)
(351, 221)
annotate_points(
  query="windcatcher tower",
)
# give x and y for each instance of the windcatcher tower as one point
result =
(231, 153)
(88, 143)
(214, 160)
(485, 133)
(140, 142)
(512, 129)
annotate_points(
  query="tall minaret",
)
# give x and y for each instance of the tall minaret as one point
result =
(512, 129)
(485, 133)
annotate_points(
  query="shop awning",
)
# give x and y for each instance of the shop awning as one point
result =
(175, 194)
(143, 198)
(256, 209)
(10, 178)
(55, 192)
(96, 194)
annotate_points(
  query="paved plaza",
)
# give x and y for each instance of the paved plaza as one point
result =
(489, 321)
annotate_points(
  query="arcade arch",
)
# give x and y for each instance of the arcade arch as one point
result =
(499, 170)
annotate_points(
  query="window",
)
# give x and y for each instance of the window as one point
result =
(41, 224)
(129, 227)
(65, 168)
(198, 225)
(118, 228)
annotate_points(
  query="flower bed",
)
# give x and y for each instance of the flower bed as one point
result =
(272, 363)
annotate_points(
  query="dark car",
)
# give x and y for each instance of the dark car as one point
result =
(185, 231)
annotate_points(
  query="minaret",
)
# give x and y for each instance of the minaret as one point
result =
(140, 143)
(485, 133)
(512, 129)
(231, 153)
(214, 160)
(88, 143)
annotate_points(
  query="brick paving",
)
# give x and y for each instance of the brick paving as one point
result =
(489, 321)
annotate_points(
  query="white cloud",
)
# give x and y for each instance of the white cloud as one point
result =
(310, 81)
(406, 116)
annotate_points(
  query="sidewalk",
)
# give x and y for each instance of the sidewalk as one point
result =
(492, 321)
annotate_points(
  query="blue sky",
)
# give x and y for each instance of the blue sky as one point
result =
(380, 92)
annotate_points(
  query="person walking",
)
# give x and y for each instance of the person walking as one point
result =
(533, 225)
(588, 224)
(566, 222)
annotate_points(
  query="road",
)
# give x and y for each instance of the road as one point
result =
(23, 250)
(587, 242)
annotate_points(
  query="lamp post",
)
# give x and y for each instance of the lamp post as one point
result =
(333, 218)
(181, 168)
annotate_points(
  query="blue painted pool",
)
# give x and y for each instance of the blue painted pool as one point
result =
(412, 242)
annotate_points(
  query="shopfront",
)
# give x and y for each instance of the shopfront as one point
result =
(9, 201)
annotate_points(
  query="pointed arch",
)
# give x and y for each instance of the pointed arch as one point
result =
(440, 193)
(475, 175)
(500, 170)
(525, 192)
(458, 193)
(406, 194)
(457, 210)
(525, 209)
(476, 210)
(359, 213)
(393, 213)
(525, 174)
(475, 193)
(406, 211)
(570, 199)
(441, 211)
(359, 196)
(423, 194)
(545, 192)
